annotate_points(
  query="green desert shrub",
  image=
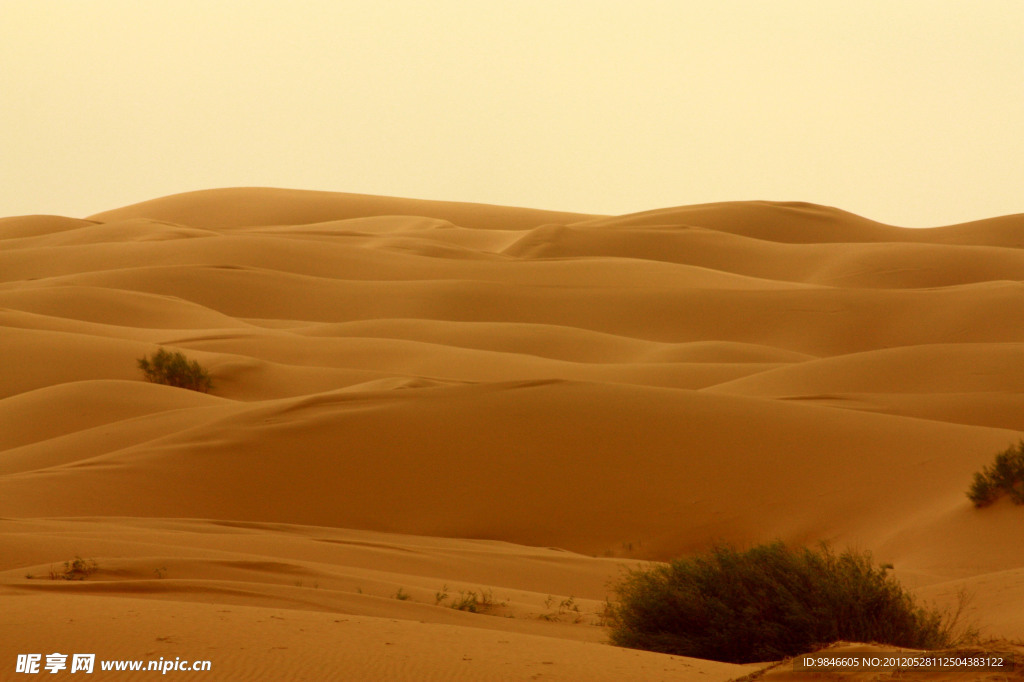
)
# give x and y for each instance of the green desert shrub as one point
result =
(768, 603)
(1005, 476)
(174, 369)
(76, 569)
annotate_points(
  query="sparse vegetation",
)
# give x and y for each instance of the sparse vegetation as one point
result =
(605, 616)
(402, 595)
(1005, 476)
(467, 601)
(771, 602)
(174, 369)
(75, 569)
(474, 603)
(566, 608)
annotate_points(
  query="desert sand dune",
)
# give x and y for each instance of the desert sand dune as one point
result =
(872, 265)
(369, 259)
(965, 368)
(85, 404)
(122, 232)
(817, 321)
(348, 449)
(114, 307)
(1004, 410)
(416, 398)
(24, 227)
(802, 223)
(248, 206)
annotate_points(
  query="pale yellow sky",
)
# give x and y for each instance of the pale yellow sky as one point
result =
(910, 112)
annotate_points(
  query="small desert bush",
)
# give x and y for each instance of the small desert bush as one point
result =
(475, 603)
(566, 608)
(1005, 476)
(75, 569)
(768, 603)
(174, 369)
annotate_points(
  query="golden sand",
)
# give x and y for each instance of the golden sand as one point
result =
(419, 398)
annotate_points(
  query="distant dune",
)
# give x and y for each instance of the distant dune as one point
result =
(431, 397)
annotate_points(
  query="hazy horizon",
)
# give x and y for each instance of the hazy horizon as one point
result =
(910, 113)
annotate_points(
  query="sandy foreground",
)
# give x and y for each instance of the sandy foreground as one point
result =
(418, 404)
